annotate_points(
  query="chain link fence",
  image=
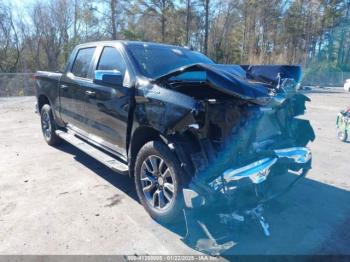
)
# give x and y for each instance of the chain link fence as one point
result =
(330, 79)
(16, 84)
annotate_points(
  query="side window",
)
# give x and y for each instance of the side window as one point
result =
(82, 62)
(111, 59)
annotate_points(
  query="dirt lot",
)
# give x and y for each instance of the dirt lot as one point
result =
(60, 201)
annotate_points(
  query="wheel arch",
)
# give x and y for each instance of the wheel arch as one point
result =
(140, 137)
(42, 100)
(144, 134)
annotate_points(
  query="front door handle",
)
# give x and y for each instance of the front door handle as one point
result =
(63, 86)
(90, 93)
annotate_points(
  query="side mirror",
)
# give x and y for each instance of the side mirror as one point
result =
(108, 77)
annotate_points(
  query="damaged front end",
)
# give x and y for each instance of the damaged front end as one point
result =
(241, 127)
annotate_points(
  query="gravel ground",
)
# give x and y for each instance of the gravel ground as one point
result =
(60, 201)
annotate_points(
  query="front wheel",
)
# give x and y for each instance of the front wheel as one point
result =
(159, 181)
(48, 126)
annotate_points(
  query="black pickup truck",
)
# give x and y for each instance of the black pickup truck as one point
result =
(188, 130)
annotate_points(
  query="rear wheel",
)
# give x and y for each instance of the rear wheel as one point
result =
(159, 181)
(342, 135)
(48, 126)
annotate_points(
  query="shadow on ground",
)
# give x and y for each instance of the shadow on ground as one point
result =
(122, 182)
(312, 218)
(324, 91)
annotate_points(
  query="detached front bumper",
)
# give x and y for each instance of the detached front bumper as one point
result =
(295, 158)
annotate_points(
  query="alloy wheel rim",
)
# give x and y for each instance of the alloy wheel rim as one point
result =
(46, 125)
(158, 183)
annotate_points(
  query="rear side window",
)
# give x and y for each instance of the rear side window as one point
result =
(111, 59)
(82, 62)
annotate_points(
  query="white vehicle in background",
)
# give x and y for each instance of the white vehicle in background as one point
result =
(347, 85)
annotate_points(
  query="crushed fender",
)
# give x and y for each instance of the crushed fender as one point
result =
(235, 130)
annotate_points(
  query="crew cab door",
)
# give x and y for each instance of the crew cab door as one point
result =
(107, 103)
(72, 87)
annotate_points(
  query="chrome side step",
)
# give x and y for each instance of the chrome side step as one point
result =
(92, 151)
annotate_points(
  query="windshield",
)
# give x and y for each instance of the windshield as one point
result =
(153, 61)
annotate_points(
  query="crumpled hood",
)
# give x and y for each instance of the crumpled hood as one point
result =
(259, 84)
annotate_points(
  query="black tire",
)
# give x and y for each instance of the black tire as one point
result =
(167, 210)
(48, 126)
(342, 135)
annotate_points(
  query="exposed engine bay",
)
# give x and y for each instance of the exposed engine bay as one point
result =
(234, 128)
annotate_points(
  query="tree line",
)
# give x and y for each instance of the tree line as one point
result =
(312, 33)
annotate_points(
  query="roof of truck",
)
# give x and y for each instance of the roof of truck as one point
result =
(127, 42)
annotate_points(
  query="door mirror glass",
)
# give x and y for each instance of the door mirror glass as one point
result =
(108, 77)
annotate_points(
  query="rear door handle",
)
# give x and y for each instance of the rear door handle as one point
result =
(90, 93)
